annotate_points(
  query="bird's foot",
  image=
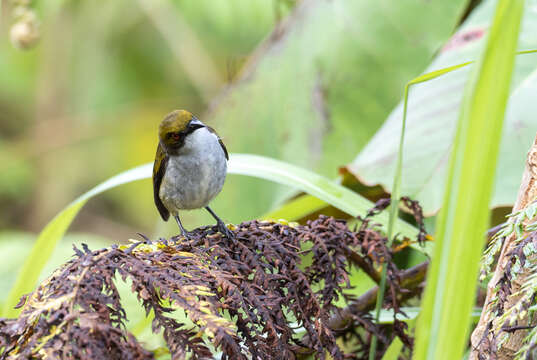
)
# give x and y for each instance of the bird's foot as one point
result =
(184, 234)
(225, 231)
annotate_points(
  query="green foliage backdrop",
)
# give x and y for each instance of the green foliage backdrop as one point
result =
(432, 113)
(92, 92)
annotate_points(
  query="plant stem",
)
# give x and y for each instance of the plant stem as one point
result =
(394, 210)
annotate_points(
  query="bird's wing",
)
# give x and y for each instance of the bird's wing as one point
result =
(219, 140)
(159, 168)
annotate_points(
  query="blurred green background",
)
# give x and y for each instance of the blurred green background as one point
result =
(84, 103)
(310, 82)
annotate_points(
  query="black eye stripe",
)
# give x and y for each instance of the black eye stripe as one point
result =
(183, 133)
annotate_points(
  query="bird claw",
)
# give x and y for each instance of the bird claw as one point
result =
(225, 231)
(185, 235)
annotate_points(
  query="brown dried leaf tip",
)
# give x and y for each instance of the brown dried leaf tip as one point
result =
(252, 298)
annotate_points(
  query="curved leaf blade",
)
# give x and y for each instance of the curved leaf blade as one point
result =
(442, 332)
(54, 231)
(240, 164)
(309, 182)
(295, 209)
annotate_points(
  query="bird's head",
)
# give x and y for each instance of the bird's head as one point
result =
(175, 127)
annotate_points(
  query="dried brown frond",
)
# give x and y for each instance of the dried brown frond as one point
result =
(251, 298)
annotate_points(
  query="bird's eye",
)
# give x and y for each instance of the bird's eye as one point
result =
(176, 136)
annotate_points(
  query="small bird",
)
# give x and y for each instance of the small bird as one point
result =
(190, 167)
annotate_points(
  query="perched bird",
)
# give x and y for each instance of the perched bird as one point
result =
(190, 167)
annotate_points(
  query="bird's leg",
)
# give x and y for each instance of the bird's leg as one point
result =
(221, 226)
(183, 231)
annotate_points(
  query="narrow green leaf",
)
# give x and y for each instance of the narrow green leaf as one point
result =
(298, 208)
(396, 189)
(411, 312)
(242, 164)
(309, 182)
(394, 212)
(394, 350)
(433, 75)
(54, 231)
(451, 284)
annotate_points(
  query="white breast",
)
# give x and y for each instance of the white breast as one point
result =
(195, 176)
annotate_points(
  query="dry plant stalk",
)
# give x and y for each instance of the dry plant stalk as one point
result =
(503, 290)
(249, 299)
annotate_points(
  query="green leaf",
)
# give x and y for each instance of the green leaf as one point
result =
(394, 350)
(411, 313)
(54, 231)
(304, 180)
(443, 326)
(297, 208)
(397, 179)
(241, 164)
(432, 113)
(18, 245)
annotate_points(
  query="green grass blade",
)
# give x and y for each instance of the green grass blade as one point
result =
(412, 313)
(309, 182)
(54, 231)
(250, 165)
(397, 178)
(443, 326)
(395, 195)
(394, 350)
(298, 208)
(393, 215)
(436, 73)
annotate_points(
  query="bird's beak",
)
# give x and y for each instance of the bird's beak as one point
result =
(195, 124)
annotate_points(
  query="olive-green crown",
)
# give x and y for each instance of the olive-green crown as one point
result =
(175, 121)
